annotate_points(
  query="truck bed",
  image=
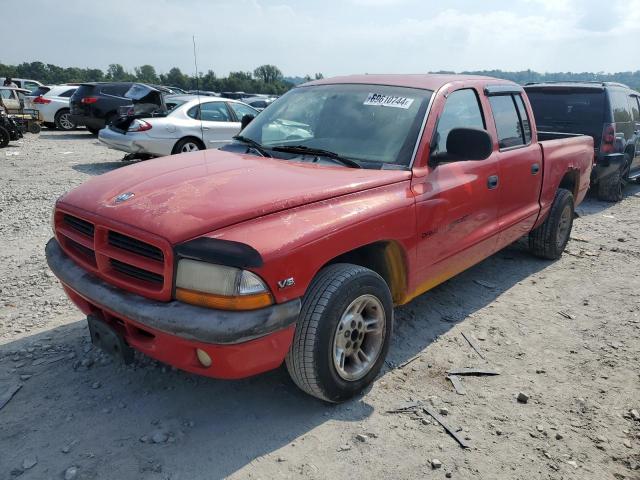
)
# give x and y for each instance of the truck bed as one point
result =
(565, 151)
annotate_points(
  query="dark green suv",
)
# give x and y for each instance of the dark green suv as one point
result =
(609, 112)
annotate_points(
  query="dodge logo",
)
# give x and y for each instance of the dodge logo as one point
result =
(123, 197)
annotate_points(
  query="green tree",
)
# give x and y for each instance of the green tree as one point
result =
(146, 73)
(175, 78)
(268, 74)
(117, 73)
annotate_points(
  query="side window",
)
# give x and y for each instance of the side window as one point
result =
(210, 112)
(620, 106)
(462, 110)
(524, 118)
(6, 94)
(31, 86)
(241, 110)
(510, 131)
(635, 111)
(67, 93)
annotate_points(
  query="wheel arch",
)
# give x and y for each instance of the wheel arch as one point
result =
(571, 181)
(387, 258)
(174, 150)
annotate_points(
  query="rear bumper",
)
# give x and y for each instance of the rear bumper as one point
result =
(86, 121)
(135, 142)
(606, 165)
(240, 344)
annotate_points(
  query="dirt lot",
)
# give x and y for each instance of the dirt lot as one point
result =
(565, 333)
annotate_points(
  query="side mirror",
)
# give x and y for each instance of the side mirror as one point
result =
(246, 120)
(469, 144)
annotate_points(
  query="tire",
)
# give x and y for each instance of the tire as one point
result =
(63, 120)
(5, 138)
(186, 145)
(94, 131)
(550, 239)
(34, 128)
(610, 187)
(50, 125)
(314, 361)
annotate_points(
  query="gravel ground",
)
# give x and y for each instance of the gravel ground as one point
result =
(565, 334)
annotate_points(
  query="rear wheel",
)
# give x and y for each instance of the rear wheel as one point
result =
(610, 188)
(343, 333)
(187, 145)
(63, 120)
(550, 239)
(34, 127)
(5, 138)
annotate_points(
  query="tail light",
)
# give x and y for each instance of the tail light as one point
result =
(608, 138)
(89, 100)
(139, 126)
(40, 100)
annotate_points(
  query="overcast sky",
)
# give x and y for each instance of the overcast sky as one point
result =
(330, 36)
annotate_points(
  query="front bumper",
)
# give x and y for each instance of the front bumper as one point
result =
(240, 344)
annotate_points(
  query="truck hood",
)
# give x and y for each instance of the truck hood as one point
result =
(184, 196)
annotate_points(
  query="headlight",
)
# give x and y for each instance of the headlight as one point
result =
(219, 286)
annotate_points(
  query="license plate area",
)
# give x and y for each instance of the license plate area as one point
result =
(108, 340)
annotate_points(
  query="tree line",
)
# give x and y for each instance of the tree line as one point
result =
(523, 77)
(264, 79)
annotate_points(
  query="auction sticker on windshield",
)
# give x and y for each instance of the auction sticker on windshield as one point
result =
(388, 101)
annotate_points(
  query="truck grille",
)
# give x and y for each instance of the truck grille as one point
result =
(135, 246)
(120, 257)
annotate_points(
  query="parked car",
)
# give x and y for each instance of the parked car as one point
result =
(95, 105)
(11, 98)
(608, 112)
(259, 103)
(25, 83)
(205, 93)
(53, 106)
(190, 124)
(229, 262)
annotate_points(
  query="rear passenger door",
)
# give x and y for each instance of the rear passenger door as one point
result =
(218, 125)
(520, 166)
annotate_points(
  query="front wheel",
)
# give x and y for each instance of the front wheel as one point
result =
(5, 137)
(550, 239)
(343, 333)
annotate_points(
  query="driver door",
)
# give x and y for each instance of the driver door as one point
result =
(457, 201)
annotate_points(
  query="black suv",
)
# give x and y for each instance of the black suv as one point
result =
(608, 112)
(95, 105)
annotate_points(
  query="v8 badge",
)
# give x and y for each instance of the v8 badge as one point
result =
(287, 282)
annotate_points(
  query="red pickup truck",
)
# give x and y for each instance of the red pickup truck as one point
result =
(345, 197)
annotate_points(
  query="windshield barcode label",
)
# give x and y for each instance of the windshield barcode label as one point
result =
(388, 101)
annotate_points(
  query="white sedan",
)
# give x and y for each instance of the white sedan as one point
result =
(191, 124)
(53, 106)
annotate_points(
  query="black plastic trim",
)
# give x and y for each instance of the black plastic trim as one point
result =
(222, 252)
(493, 90)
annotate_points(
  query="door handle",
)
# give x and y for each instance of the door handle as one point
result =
(205, 128)
(535, 168)
(492, 182)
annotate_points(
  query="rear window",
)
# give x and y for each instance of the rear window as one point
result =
(39, 91)
(115, 90)
(84, 91)
(67, 93)
(562, 110)
(620, 105)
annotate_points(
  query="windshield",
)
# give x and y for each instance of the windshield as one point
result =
(372, 124)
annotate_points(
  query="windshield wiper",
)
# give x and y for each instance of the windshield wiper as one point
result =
(253, 144)
(318, 152)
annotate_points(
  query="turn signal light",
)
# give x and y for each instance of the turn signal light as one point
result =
(210, 300)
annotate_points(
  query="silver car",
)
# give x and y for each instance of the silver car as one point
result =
(191, 124)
